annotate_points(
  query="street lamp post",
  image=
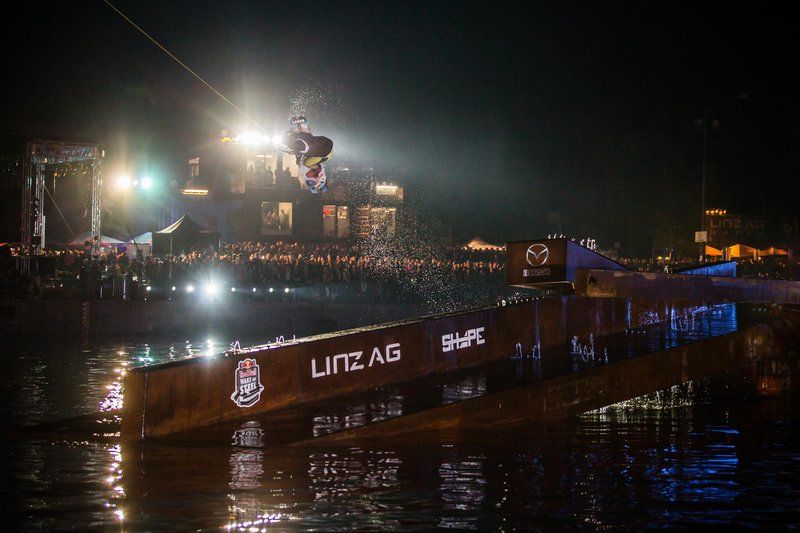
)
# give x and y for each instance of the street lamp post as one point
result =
(706, 114)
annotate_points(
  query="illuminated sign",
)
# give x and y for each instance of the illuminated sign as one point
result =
(194, 192)
(542, 261)
(452, 341)
(537, 254)
(536, 272)
(248, 387)
(354, 361)
(386, 190)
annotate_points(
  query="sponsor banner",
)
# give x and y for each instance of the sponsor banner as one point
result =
(727, 230)
(463, 340)
(454, 341)
(530, 262)
(197, 393)
(247, 383)
(362, 360)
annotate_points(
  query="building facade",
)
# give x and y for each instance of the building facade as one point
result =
(251, 191)
(757, 231)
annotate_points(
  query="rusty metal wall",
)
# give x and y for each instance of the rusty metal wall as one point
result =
(163, 399)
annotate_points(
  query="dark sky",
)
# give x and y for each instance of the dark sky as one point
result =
(497, 113)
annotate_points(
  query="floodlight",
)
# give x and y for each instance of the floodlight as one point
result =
(210, 288)
(252, 138)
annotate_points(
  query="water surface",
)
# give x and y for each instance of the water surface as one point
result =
(720, 457)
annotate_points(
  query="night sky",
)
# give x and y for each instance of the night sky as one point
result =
(498, 115)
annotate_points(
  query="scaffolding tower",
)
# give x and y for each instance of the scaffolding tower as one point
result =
(39, 154)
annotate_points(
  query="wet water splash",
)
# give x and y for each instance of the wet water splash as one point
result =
(683, 395)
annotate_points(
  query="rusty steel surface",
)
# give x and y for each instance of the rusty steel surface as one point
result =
(513, 390)
(164, 399)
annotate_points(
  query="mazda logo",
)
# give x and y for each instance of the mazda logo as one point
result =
(537, 254)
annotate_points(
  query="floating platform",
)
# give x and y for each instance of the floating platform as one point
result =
(169, 398)
(523, 387)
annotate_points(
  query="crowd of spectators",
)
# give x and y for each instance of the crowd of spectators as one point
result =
(396, 273)
(389, 272)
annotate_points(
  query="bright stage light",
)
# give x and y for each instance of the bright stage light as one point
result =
(148, 288)
(286, 289)
(174, 288)
(277, 140)
(190, 288)
(210, 289)
(233, 289)
(252, 138)
(271, 289)
(254, 289)
(123, 182)
(146, 182)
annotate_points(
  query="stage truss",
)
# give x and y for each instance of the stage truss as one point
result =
(39, 154)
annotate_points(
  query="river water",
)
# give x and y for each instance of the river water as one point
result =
(718, 456)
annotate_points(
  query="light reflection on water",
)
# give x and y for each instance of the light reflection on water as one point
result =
(702, 458)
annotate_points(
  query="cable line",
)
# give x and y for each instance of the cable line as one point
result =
(181, 63)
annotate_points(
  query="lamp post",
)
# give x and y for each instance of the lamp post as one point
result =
(706, 114)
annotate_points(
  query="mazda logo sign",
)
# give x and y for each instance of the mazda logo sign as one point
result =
(537, 254)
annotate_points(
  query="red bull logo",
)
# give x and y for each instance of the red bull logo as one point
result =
(247, 378)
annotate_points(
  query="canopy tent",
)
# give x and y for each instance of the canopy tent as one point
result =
(741, 251)
(772, 251)
(144, 238)
(105, 240)
(713, 252)
(479, 244)
(143, 245)
(183, 235)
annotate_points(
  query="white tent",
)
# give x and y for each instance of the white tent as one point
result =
(144, 238)
(144, 243)
(105, 240)
(479, 244)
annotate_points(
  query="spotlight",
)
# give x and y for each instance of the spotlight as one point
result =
(254, 289)
(210, 289)
(123, 182)
(148, 288)
(286, 289)
(146, 182)
(252, 139)
(271, 289)
(233, 289)
(190, 288)
(174, 288)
